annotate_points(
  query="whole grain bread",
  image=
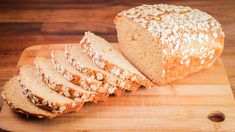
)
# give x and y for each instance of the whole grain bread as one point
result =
(107, 57)
(14, 97)
(167, 42)
(62, 65)
(57, 82)
(84, 64)
(42, 96)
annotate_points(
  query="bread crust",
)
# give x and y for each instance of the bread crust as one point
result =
(27, 113)
(44, 103)
(50, 106)
(113, 84)
(13, 84)
(85, 82)
(185, 48)
(108, 66)
(77, 95)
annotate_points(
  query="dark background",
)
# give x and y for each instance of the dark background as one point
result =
(25, 23)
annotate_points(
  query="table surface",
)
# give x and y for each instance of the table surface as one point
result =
(25, 23)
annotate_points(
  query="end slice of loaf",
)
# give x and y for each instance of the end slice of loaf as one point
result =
(110, 59)
(42, 96)
(84, 64)
(57, 82)
(14, 97)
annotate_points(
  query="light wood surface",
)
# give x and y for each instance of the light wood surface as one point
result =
(25, 23)
(182, 106)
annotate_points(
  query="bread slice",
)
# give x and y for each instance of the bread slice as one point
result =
(14, 97)
(41, 95)
(110, 59)
(62, 65)
(84, 64)
(57, 82)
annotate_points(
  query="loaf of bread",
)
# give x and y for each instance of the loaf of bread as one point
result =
(167, 42)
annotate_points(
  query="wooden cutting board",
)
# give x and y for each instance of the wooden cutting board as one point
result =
(185, 105)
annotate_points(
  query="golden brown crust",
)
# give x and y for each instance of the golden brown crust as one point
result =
(118, 91)
(27, 113)
(45, 104)
(174, 70)
(77, 79)
(76, 95)
(114, 69)
(100, 75)
(110, 83)
(42, 102)
(11, 88)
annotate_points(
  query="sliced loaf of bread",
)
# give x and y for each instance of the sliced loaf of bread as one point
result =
(84, 64)
(14, 97)
(57, 82)
(42, 96)
(110, 59)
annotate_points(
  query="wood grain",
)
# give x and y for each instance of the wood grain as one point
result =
(181, 106)
(25, 23)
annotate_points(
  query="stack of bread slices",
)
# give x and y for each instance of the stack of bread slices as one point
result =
(85, 72)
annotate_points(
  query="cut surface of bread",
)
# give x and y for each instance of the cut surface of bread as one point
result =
(141, 45)
(110, 59)
(84, 64)
(103, 76)
(163, 42)
(57, 82)
(42, 96)
(14, 97)
(62, 65)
